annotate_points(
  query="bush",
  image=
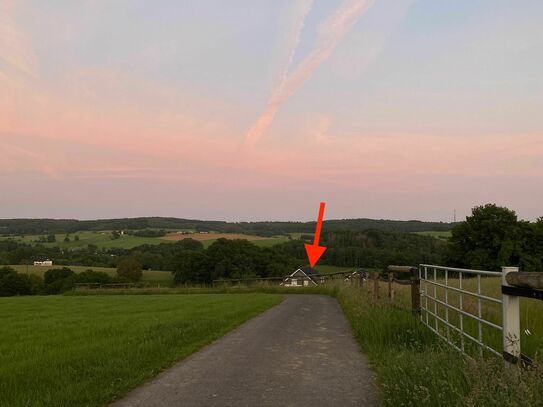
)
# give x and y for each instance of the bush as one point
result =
(38, 287)
(13, 283)
(53, 275)
(130, 269)
(59, 280)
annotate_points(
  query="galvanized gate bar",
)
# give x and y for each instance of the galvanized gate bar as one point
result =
(427, 283)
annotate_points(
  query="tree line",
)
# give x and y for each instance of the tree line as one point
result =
(62, 279)
(71, 226)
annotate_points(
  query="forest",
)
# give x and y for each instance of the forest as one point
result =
(47, 226)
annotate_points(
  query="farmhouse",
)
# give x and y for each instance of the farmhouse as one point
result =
(43, 263)
(302, 277)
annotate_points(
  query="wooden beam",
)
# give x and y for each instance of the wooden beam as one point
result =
(400, 269)
(525, 279)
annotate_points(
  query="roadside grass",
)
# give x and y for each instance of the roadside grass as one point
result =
(89, 351)
(415, 368)
(530, 313)
(163, 278)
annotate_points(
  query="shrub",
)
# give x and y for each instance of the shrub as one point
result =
(13, 283)
(59, 280)
(53, 275)
(38, 287)
(130, 269)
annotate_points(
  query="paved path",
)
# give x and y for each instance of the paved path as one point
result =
(299, 353)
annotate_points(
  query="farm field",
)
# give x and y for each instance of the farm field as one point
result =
(103, 239)
(208, 239)
(442, 235)
(88, 351)
(148, 275)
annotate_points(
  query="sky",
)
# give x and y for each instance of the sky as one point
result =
(259, 110)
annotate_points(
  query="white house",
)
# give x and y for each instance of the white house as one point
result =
(302, 277)
(43, 263)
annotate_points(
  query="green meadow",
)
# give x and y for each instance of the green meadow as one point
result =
(443, 235)
(91, 350)
(103, 240)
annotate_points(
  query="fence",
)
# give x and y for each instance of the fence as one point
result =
(437, 312)
(291, 281)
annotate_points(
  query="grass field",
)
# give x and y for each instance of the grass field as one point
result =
(443, 235)
(103, 240)
(88, 351)
(148, 275)
(266, 242)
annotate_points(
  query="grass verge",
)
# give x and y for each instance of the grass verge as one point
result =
(88, 351)
(415, 369)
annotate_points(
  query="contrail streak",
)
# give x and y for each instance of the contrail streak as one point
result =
(331, 33)
(304, 10)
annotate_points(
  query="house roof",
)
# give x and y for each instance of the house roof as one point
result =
(308, 271)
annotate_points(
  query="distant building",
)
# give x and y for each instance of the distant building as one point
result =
(357, 275)
(302, 277)
(43, 263)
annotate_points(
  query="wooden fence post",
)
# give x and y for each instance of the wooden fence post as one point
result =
(415, 291)
(390, 289)
(375, 287)
(511, 321)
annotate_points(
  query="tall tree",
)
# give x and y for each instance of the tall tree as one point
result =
(490, 238)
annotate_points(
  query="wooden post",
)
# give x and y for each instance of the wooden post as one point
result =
(415, 291)
(511, 321)
(375, 287)
(525, 279)
(390, 290)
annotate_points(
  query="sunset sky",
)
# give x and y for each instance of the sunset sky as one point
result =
(259, 110)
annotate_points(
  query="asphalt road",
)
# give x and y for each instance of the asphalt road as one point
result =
(299, 353)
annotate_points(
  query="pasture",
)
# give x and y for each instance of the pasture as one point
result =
(103, 240)
(442, 235)
(88, 351)
(208, 239)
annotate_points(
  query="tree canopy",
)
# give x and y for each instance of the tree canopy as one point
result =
(493, 237)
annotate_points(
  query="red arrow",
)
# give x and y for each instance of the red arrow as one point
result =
(314, 251)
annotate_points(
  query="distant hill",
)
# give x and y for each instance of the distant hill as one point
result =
(45, 226)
